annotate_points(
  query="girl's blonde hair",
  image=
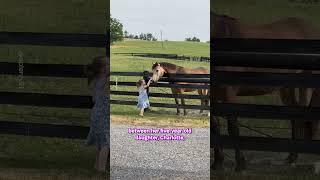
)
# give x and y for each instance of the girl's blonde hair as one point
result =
(139, 83)
(93, 69)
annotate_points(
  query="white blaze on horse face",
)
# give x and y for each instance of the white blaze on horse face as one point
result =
(157, 73)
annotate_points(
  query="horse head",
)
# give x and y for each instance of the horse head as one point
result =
(157, 72)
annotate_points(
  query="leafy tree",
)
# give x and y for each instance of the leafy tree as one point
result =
(149, 36)
(194, 39)
(116, 30)
(141, 36)
(131, 36)
(126, 34)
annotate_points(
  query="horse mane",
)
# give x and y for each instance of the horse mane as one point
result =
(167, 65)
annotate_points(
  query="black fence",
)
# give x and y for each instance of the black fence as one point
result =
(169, 56)
(195, 81)
(48, 70)
(277, 54)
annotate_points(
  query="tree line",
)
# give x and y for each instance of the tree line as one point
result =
(142, 36)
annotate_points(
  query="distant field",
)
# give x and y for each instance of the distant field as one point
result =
(169, 47)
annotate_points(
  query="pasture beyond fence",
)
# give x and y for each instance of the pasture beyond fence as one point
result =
(169, 56)
(266, 53)
(47, 70)
(166, 82)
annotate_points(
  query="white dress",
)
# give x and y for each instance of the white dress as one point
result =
(143, 100)
(100, 118)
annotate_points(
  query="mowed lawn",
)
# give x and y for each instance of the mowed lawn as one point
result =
(128, 63)
(37, 157)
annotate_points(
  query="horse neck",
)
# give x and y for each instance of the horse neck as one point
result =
(170, 71)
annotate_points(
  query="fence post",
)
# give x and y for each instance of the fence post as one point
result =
(116, 83)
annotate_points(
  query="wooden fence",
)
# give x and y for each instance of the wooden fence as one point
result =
(165, 82)
(48, 70)
(169, 56)
(266, 53)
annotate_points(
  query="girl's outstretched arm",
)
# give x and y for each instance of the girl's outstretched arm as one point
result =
(148, 84)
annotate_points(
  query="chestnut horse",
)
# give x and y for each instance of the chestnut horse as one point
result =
(228, 27)
(164, 69)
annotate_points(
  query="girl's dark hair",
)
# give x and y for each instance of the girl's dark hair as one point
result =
(94, 68)
(139, 83)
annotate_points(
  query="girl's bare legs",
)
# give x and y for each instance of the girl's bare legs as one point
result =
(103, 159)
(141, 112)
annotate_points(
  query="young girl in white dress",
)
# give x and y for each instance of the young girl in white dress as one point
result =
(98, 75)
(143, 100)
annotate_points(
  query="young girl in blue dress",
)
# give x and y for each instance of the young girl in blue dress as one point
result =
(98, 76)
(143, 100)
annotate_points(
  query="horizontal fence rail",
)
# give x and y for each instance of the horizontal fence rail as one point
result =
(265, 45)
(169, 56)
(266, 111)
(46, 100)
(74, 101)
(54, 39)
(268, 144)
(305, 79)
(165, 85)
(120, 102)
(186, 96)
(49, 70)
(44, 130)
(306, 61)
(171, 75)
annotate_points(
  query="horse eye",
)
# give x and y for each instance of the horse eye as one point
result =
(157, 70)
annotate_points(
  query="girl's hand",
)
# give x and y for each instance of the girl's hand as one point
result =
(146, 86)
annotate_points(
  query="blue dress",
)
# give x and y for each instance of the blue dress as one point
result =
(100, 119)
(143, 100)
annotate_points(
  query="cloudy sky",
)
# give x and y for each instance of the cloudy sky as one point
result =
(177, 19)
